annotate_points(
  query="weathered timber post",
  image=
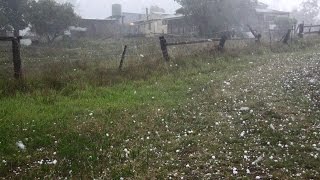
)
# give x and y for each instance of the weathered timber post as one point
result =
(164, 48)
(270, 39)
(16, 57)
(222, 42)
(255, 34)
(123, 57)
(300, 30)
(287, 37)
(292, 33)
(310, 28)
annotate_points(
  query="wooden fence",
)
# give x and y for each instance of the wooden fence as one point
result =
(15, 54)
(165, 44)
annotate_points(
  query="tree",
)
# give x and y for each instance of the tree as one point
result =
(50, 19)
(307, 12)
(156, 8)
(285, 23)
(12, 15)
(215, 15)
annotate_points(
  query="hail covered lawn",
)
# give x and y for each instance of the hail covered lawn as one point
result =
(248, 117)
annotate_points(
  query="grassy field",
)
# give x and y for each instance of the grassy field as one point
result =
(233, 115)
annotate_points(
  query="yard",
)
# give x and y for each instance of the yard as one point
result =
(240, 114)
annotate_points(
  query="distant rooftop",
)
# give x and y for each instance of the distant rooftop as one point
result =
(270, 11)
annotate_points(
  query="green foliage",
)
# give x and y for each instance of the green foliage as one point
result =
(156, 8)
(211, 15)
(50, 19)
(12, 14)
(308, 11)
(285, 22)
(88, 130)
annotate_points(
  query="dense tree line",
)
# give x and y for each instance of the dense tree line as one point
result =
(46, 18)
(214, 15)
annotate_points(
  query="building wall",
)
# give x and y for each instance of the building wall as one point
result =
(133, 17)
(100, 28)
(149, 28)
(180, 26)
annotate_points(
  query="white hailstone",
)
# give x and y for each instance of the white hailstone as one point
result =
(121, 178)
(187, 166)
(213, 157)
(54, 153)
(177, 151)
(40, 162)
(91, 114)
(141, 55)
(227, 83)
(312, 81)
(242, 134)
(257, 160)
(21, 145)
(54, 162)
(244, 109)
(235, 171)
(271, 157)
(4, 161)
(268, 143)
(258, 177)
(127, 152)
(107, 134)
(248, 171)
(272, 127)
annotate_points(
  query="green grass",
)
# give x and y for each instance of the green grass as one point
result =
(172, 118)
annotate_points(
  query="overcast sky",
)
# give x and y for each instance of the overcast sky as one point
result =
(100, 9)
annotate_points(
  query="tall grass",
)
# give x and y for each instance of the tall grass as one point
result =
(79, 64)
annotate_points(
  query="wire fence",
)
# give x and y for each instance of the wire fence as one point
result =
(109, 52)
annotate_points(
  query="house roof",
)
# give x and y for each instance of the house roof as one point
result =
(101, 20)
(173, 16)
(145, 21)
(270, 11)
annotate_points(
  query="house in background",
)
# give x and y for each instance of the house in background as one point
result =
(148, 28)
(164, 24)
(177, 24)
(100, 27)
(267, 17)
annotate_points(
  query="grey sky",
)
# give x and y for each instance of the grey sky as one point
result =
(99, 9)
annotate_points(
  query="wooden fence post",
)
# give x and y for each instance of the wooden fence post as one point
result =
(301, 30)
(287, 37)
(255, 34)
(16, 57)
(123, 57)
(164, 48)
(270, 38)
(222, 42)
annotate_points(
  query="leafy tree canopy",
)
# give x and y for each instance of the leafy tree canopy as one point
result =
(307, 12)
(156, 8)
(215, 15)
(50, 19)
(13, 14)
